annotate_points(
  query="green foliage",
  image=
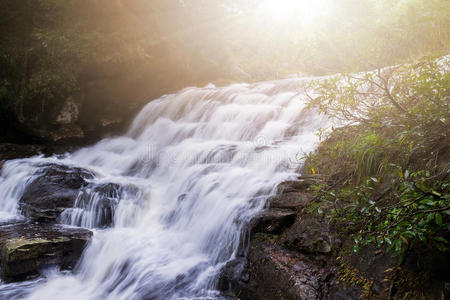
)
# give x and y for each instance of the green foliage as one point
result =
(414, 210)
(395, 188)
(42, 50)
(418, 212)
(367, 153)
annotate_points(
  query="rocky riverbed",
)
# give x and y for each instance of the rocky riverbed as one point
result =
(294, 253)
(31, 244)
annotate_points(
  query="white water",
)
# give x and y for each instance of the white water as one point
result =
(200, 164)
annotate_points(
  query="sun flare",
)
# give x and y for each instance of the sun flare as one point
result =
(305, 11)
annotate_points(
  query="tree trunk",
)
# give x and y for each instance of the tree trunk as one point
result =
(23, 82)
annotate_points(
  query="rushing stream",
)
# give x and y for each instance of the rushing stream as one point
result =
(200, 164)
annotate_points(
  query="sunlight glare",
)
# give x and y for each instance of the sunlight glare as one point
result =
(306, 11)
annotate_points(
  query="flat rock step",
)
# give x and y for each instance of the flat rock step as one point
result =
(27, 248)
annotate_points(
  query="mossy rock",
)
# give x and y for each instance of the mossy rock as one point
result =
(28, 248)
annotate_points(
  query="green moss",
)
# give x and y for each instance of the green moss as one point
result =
(27, 245)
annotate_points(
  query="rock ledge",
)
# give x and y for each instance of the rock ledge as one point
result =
(28, 248)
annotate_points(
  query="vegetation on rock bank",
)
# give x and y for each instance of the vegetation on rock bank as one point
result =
(386, 172)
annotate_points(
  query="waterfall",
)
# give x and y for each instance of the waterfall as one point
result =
(188, 176)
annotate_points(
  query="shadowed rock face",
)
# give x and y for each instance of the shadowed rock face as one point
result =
(311, 235)
(28, 248)
(54, 188)
(273, 220)
(277, 273)
(291, 194)
(234, 274)
(272, 270)
(297, 254)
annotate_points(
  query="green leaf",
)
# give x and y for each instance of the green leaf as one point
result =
(422, 238)
(409, 234)
(441, 239)
(438, 218)
(436, 193)
(427, 202)
(430, 217)
(398, 245)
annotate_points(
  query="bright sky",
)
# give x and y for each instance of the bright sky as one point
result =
(307, 11)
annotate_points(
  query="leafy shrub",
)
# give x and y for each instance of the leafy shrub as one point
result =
(388, 167)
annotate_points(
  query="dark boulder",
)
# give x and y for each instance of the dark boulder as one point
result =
(311, 235)
(103, 200)
(234, 274)
(52, 189)
(290, 186)
(28, 248)
(272, 221)
(292, 200)
(100, 201)
(292, 194)
(277, 273)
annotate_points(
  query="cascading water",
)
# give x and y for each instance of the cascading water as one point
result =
(191, 172)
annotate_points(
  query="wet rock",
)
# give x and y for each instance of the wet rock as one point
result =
(53, 189)
(272, 221)
(300, 185)
(100, 202)
(292, 200)
(311, 235)
(28, 248)
(234, 274)
(291, 194)
(276, 273)
(103, 200)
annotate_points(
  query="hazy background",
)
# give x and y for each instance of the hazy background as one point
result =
(112, 56)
